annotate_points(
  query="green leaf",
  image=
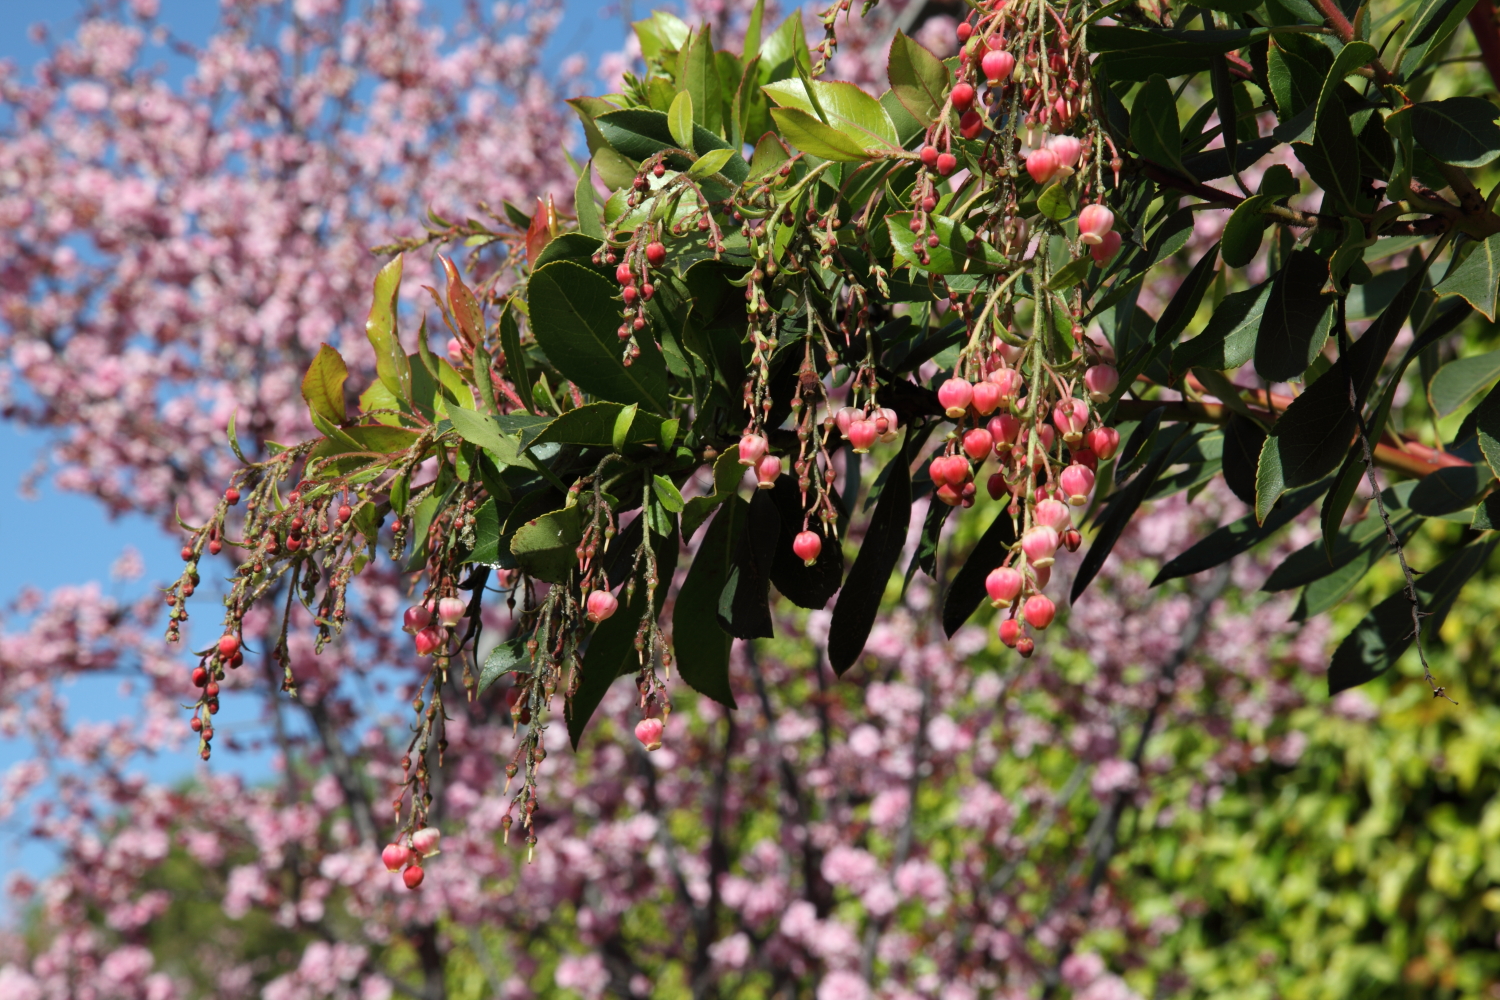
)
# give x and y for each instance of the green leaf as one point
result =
(484, 431)
(1357, 543)
(1487, 514)
(668, 494)
(545, 547)
(1380, 639)
(1117, 513)
(323, 385)
(1070, 274)
(1154, 130)
(808, 134)
(1243, 440)
(1477, 278)
(1449, 490)
(234, 439)
(667, 435)
(967, 591)
(391, 364)
(1296, 320)
(918, 78)
(1228, 340)
(956, 252)
(680, 119)
(584, 204)
(702, 647)
(1459, 381)
(1136, 54)
(1332, 158)
(859, 600)
(463, 305)
(744, 609)
(1460, 130)
(851, 111)
(1432, 24)
(574, 318)
(1184, 304)
(1487, 424)
(1229, 541)
(515, 359)
(1056, 202)
(638, 133)
(624, 420)
(510, 655)
(593, 426)
(710, 163)
(785, 50)
(727, 475)
(750, 47)
(1243, 232)
(702, 81)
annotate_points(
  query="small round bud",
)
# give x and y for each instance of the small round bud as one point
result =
(1003, 585)
(1010, 632)
(656, 253)
(425, 841)
(1077, 482)
(1101, 382)
(649, 731)
(416, 618)
(228, 645)
(428, 641)
(1039, 611)
(1041, 164)
(412, 876)
(946, 164)
(862, 434)
(450, 611)
(808, 545)
(954, 396)
(963, 96)
(394, 857)
(601, 604)
(767, 471)
(1105, 250)
(752, 449)
(1104, 441)
(1094, 223)
(1040, 545)
(977, 443)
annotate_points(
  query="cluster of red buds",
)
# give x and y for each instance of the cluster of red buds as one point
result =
(430, 626)
(1040, 480)
(407, 858)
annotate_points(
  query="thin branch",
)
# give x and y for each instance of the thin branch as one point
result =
(1390, 533)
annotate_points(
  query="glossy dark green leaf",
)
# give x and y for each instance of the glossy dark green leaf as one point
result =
(1243, 232)
(1243, 440)
(1228, 340)
(1432, 24)
(1487, 425)
(1296, 319)
(574, 317)
(1118, 512)
(545, 547)
(509, 655)
(1357, 543)
(1459, 381)
(1449, 490)
(1380, 639)
(879, 552)
(1154, 130)
(743, 608)
(1487, 514)
(967, 592)
(515, 359)
(702, 647)
(1477, 278)
(639, 133)
(1185, 301)
(1460, 130)
(1134, 54)
(592, 425)
(1225, 543)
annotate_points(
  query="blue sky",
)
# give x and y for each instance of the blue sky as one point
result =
(57, 538)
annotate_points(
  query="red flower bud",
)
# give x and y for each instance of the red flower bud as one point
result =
(649, 731)
(601, 604)
(394, 857)
(228, 645)
(412, 876)
(808, 545)
(954, 396)
(416, 618)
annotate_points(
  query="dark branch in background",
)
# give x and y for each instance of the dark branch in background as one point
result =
(1390, 533)
(875, 928)
(1105, 835)
(1487, 33)
(815, 887)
